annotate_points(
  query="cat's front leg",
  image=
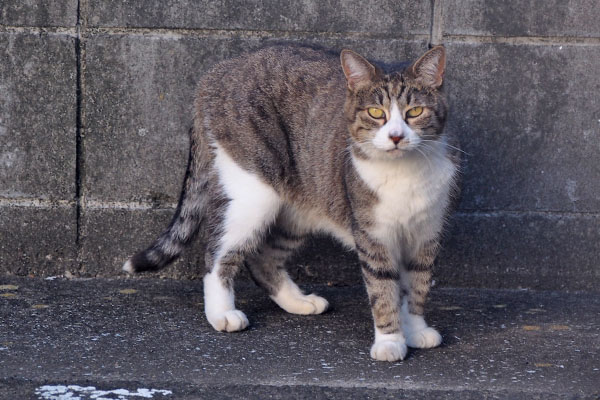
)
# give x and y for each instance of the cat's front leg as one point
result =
(416, 279)
(382, 279)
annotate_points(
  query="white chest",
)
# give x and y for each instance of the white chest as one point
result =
(412, 192)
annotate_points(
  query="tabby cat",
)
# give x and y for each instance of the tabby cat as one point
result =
(286, 142)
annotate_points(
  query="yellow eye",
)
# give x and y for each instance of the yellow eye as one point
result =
(375, 112)
(414, 112)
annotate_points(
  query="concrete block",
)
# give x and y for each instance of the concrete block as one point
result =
(376, 17)
(37, 241)
(110, 236)
(521, 250)
(38, 13)
(138, 106)
(529, 118)
(37, 116)
(501, 250)
(522, 18)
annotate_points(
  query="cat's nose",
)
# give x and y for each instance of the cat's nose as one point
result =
(396, 137)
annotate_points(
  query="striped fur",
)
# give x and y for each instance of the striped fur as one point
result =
(283, 146)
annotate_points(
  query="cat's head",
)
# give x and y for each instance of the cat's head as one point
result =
(390, 115)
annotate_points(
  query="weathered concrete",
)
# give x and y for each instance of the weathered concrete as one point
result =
(522, 80)
(100, 333)
(43, 13)
(39, 241)
(109, 237)
(493, 250)
(37, 153)
(37, 116)
(528, 250)
(522, 18)
(529, 119)
(388, 17)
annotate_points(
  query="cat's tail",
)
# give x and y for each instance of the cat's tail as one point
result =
(188, 217)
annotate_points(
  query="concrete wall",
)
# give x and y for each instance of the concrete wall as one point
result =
(95, 107)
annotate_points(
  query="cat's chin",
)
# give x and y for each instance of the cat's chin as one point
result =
(390, 155)
(395, 152)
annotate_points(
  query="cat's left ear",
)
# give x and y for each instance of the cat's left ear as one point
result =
(429, 69)
(357, 69)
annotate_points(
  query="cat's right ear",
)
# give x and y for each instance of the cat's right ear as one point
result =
(358, 71)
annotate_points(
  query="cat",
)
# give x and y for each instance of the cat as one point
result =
(285, 142)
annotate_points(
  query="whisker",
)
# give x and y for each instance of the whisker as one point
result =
(447, 145)
(424, 155)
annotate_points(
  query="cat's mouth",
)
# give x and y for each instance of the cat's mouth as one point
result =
(393, 154)
(399, 149)
(396, 152)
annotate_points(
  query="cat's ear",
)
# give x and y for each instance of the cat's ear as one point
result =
(358, 71)
(429, 69)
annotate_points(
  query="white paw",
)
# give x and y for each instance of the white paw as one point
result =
(230, 321)
(423, 339)
(388, 350)
(319, 303)
(302, 304)
(291, 299)
(128, 267)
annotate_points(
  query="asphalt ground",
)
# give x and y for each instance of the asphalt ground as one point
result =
(148, 338)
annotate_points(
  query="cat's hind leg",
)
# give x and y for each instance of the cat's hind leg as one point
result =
(416, 280)
(267, 267)
(251, 208)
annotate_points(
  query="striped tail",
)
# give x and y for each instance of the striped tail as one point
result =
(186, 221)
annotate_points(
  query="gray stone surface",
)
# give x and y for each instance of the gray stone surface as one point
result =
(522, 18)
(38, 13)
(388, 17)
(497, 344)
(110, 236)
(37, 241)
(529, 118)
(37, 116)
(493, 250)
(528, 250)
(138, 106)
(18, 389)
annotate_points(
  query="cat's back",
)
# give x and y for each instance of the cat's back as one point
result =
(275, 111)
(278, 71)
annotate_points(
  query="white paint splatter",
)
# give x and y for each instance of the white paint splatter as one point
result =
(75, 392)
(571, 188)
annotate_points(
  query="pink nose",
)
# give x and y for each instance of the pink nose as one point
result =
(396, 137)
